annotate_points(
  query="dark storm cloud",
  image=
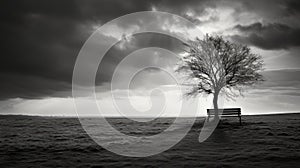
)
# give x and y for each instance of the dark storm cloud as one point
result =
(270, 36)
(115, 55)
(293, 6)
(15, 85)
(40, 40)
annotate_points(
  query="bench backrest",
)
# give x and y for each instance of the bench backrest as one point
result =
(226, 111)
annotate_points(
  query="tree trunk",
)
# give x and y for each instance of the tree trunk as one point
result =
(215, 102)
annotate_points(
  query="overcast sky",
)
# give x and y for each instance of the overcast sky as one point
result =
(40, 41)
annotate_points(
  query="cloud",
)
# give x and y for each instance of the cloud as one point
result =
(14, 85)
(269, 36)
(40, 40)
(279, 82)
(143, 58)
(293, 6)
(279, 93)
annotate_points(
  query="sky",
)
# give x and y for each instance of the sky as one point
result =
(41, 41)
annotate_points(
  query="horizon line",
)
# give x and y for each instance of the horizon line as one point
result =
(87, 116)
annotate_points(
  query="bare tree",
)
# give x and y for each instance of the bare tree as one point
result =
(216, 65)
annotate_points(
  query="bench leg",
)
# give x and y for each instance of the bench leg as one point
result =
(240, 120)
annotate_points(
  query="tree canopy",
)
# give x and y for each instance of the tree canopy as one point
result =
(219, 65)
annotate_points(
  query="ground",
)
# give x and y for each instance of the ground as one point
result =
(262, 141)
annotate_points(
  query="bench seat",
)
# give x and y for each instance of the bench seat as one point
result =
(226, 112)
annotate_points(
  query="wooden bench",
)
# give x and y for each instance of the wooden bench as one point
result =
(227, 112)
